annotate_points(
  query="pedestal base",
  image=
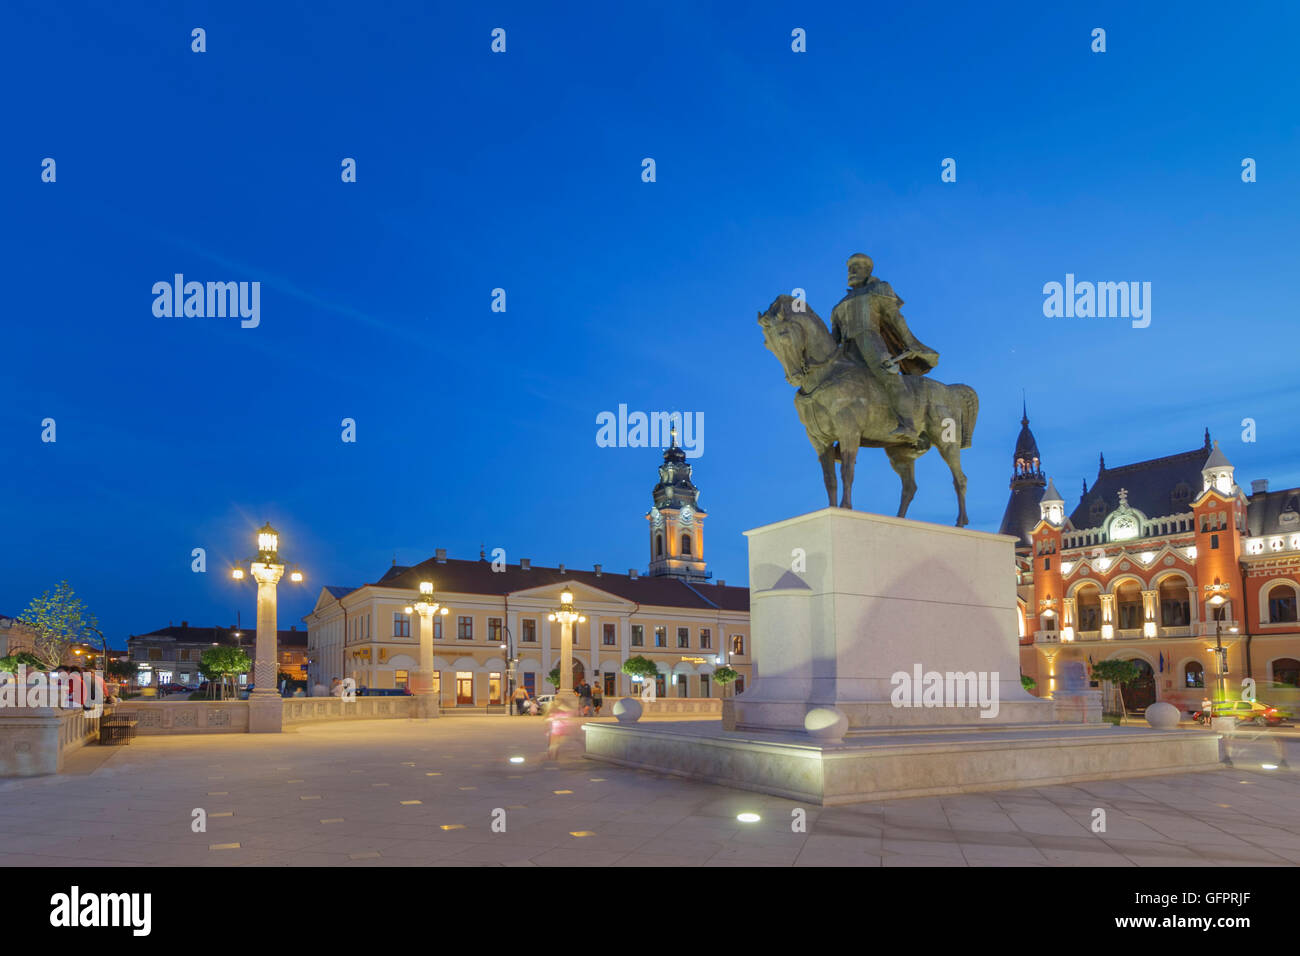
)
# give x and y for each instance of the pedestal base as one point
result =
(886, 765)
(426, 705)
(265, 713)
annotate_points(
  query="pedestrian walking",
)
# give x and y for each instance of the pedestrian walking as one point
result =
(520, 699)
(559, 724)
(584, 699)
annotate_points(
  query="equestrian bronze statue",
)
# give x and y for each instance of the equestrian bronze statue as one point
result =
(862, 384)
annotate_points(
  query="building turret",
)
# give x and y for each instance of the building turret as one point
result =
(676, 521)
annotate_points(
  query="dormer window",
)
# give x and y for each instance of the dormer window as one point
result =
(1182, 493)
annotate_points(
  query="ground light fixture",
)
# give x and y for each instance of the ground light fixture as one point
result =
(1269, 766)
(748, 817)
(516, 759)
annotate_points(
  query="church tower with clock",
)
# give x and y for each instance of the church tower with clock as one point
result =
(676, 521)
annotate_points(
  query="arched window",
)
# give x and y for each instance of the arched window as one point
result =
(1286, 670)
(1089, 608)
(659, 546)
(1194, 674)
(686, 544)
(1174, 607)
(1281, 604)
(1128, 600)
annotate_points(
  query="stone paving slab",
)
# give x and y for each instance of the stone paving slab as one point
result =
(423, 793)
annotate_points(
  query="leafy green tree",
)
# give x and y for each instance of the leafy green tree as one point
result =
(553, 678)
(221, 664)
(1028, 683)
(725, 675)
(120, 668)
(57, 621)
(10, 664)
(641, 667)
(1115, 674)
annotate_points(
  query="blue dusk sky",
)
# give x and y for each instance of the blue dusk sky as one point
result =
(523, 171)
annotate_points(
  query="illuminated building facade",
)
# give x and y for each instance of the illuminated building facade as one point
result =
(672, 615)
(1161, 562)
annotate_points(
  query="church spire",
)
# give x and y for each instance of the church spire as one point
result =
(676, 521)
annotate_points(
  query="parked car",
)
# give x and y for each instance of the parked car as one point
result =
(544, 701)
(1246, 711)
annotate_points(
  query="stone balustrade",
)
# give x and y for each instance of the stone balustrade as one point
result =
(35, 740)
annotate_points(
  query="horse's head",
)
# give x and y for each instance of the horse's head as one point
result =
(795, 335)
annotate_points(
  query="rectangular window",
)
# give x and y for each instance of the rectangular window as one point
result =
(661, 637)
(528, 629)
(155, 654)
(530, 683)
(494, 630)
(706, 641)
(494, 687)
(1047, 564)
(437, 627)
(464, 628)
(683, 637)
(609, 635)
(401, 678)
(638, 635)
(611, 684)
(401, 624)
(704, 685)
(1214, 542)
(738, 644)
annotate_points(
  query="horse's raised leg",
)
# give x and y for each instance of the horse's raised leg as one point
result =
(848, 458)
(903, 460)
(951, 452)
(827, 458)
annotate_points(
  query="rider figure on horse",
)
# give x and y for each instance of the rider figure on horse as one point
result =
(868, 327)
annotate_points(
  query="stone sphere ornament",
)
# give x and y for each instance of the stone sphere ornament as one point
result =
(826, 723)
(1162, 716)
(627, 710)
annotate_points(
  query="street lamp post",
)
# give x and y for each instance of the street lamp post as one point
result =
(427, 704)
(1221, 659)
(567, 615)
(265, 710)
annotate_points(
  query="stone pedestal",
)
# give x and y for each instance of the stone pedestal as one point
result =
(265, 713)
(1076, 703)
(842, 601)
(841, 605)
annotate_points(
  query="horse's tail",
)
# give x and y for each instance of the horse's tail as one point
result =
(970, 403)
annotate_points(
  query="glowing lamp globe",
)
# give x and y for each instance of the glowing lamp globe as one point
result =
(426, 587)
(566, 597)
(268, 539)
(237, 574)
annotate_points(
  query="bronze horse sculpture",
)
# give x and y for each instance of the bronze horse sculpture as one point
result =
(843, 407)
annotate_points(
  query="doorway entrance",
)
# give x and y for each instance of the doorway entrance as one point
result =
(464, 688)
(1141, 694)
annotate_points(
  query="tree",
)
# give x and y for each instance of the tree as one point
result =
(1115, 674)
(223, 663)
(9, 665)
(553, 678)
(725, 675)
(1028, 683)
(120, 669)
(641, 667)
(57, 621)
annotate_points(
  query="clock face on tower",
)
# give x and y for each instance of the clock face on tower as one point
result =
(687, 516)
(657, 517)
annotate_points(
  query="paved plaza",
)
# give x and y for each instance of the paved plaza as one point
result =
(404, 793)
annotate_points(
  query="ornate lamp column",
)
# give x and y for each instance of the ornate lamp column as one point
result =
(427, 703)
(567, 615)
(265, 710)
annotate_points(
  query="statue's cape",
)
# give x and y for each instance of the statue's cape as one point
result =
(893, 327)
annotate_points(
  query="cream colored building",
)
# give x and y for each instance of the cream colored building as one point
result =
(497, 613)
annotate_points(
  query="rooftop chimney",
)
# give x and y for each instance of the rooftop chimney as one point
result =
(1259, 486)
(631, 573)
(185, 623)
(598, 570)
(561, 567)
(722, 584)
(525, 564)
(440, 555)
